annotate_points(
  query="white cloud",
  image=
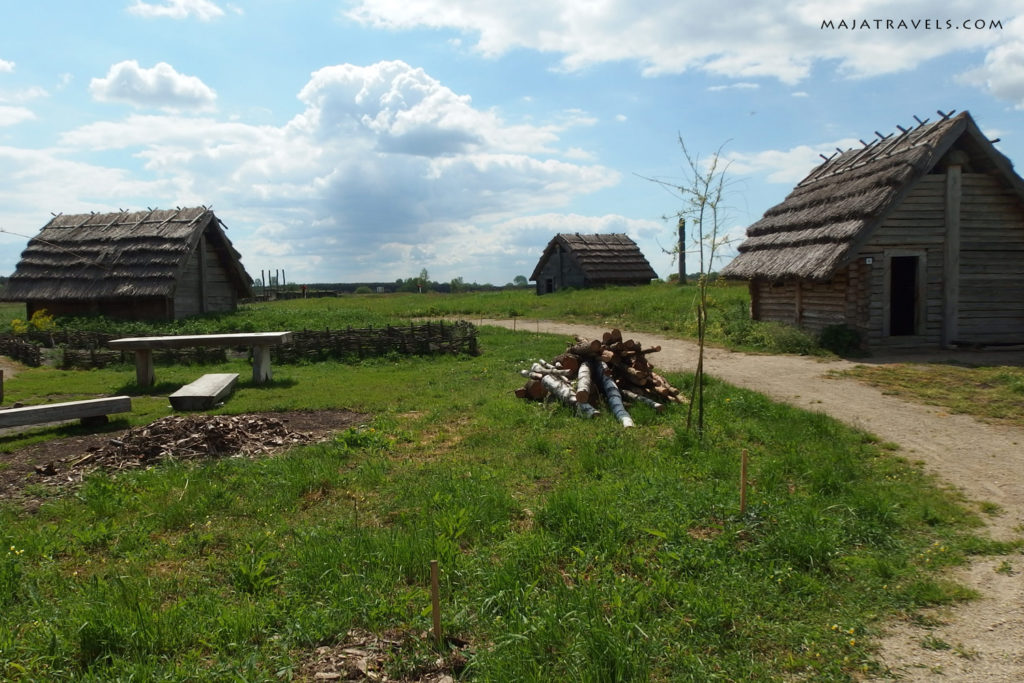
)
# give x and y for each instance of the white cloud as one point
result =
(1002, 73)
(778, 40)
(382, 161)
(734, 86)
(785, 166)
(6, 66)
(10, 116)
(160, 86)
(204, 10)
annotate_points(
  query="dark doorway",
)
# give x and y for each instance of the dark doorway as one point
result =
(549, 285)
(903, 295)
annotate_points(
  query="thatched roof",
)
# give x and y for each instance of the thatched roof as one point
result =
(823, 222)
(113, 255)
(607, 258)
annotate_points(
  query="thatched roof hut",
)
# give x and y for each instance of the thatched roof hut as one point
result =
(139, 265)
(575, 260)
(901, 239)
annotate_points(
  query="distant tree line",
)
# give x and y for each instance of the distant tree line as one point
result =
(418, 283)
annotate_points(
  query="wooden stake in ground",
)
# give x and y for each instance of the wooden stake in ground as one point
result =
(743, 482)
(435, 600)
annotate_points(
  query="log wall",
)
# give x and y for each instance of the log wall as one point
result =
(914, 228)
(196, 293)
(562, 269)
(991, 292)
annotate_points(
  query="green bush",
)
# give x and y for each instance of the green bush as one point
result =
(840, 339)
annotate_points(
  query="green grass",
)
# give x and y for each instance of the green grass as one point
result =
(994, 393)
(569, 549)
(659, 308)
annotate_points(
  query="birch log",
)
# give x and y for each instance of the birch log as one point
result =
(583, 383)
(612, 395)
(637, 398)
(564, 393)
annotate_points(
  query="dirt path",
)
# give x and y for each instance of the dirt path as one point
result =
(984, 461)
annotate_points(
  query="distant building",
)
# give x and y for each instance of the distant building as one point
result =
(148, 265)
(914, 240)
(580, 261)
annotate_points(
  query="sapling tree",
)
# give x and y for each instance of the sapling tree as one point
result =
(702, 190)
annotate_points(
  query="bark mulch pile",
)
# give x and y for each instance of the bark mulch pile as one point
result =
(65, 462)
(393, 656)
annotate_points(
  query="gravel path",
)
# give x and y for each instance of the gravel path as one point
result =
(984, 461)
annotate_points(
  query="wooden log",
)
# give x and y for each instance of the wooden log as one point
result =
(612, 395)
(583, 383)
(545, 368)
(565, 394)
(535, 389)
(568, 361)
(639, 398)
(585, 348)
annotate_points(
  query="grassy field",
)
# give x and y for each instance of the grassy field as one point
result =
(994, 393)
(662, 307)
(569, 549)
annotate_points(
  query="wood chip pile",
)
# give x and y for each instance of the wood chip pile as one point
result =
(186, 437)
(615, 368)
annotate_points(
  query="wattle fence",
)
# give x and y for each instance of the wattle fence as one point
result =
(85, 350)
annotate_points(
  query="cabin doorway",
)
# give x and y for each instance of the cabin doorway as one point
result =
(903, 299)
(549, 285)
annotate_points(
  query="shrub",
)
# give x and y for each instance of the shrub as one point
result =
(840, 339)
(363, 289)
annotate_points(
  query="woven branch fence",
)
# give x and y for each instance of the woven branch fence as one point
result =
(85, 350)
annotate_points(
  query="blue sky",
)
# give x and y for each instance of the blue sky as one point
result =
(365, 140)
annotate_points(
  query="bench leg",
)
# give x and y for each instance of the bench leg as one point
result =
(144, 375)
(261, 365)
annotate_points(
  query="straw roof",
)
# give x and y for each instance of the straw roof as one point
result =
(604, 258)
(115, 255)
(833, 211)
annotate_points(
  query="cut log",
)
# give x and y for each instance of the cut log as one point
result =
(546, 368)
(585, 348)
(569, 361)
(565, 394)
(583, 383)
(612, 395)
(638, 398)
(535, 389)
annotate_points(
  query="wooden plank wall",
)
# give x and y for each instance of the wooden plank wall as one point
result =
(916, 226)
(219, 290)
(991, 302)
(810, 305)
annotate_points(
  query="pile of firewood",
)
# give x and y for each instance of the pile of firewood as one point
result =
(615, 368)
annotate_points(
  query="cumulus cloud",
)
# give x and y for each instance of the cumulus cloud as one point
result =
(779, 40)
(6, 66)
(204, 10)
(785, 166)
(161, 87)
(381, 161)
(10, 116)
(1002, 73)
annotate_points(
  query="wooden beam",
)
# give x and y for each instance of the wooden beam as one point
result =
(202, 273)
(205, 392)
(951, 257)
(189, 340)
(59, 412)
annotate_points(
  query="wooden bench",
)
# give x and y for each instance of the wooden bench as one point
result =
(91, 412)
(259, 341)
(205, 392)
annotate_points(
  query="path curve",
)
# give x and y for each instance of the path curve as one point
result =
(984, 461)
